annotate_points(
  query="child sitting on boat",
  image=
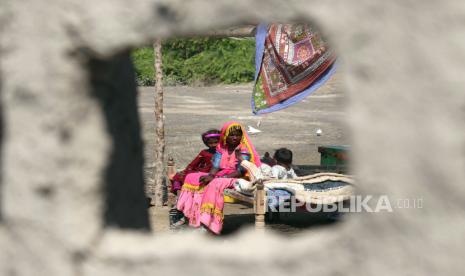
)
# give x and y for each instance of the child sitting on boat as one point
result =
(283, 167)
(201, 163)
(279, 167)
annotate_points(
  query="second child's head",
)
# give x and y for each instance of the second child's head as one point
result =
(283, 156)
(211, 138)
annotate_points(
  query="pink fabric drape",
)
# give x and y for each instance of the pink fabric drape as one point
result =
(204, 204)
(192, 193)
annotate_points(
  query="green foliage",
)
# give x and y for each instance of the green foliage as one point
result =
(143, 62)
(259, 95)
(201, 60)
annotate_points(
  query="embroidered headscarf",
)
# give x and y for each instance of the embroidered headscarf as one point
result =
(245, 144)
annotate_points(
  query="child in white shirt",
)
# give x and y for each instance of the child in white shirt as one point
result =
(283, 168)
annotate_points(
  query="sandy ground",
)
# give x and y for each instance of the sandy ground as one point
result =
(191, 110)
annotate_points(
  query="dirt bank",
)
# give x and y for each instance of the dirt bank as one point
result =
(191, 110)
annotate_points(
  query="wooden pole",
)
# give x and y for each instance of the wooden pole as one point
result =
(170, 173)
(259, 206)
(241, 31)
(159, 146)
(232, 32)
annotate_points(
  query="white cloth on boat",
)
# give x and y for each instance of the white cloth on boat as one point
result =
(243, 185)
(266, 170)
(319, 188)
(280, 172)
(263, 172)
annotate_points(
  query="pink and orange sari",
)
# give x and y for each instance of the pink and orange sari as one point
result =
(204, 204)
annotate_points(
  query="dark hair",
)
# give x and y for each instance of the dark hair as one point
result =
(210, 131)
(237, 129)
(283, 155)
(267, 159)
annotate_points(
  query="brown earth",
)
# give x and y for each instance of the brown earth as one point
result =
(191, 110)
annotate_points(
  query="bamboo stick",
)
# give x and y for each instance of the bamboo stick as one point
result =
(159, 145)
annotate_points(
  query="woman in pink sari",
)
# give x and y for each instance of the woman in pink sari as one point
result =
(201, 199)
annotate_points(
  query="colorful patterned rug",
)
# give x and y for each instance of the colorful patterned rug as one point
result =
(292, 61)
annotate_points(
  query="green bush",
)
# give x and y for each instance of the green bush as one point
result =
(143, 62)
(201, 60)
